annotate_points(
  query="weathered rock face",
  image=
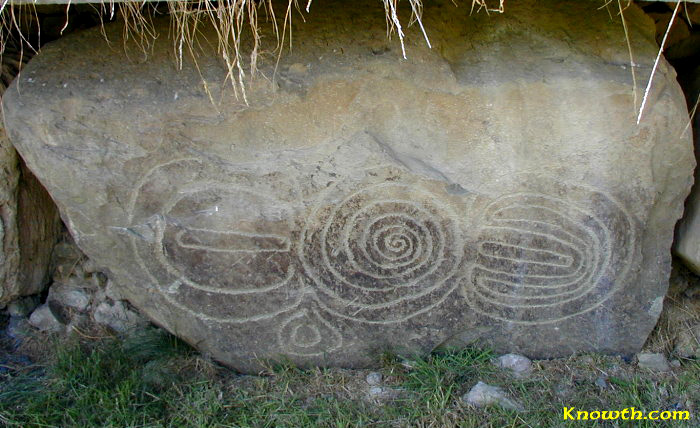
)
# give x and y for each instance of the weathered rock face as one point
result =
(29, 220)
(9, 248)
(29, 227)
(687, 244)
(495, 187)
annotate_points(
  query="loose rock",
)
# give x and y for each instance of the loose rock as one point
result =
(482, 395)
(374, 378)
(44, 319)
(602, 382)
(517, 363)
(23, 306)
(655, 362)
(18, 328)
(382, 393)
(687, 343)
(69, 296)
(116, 316)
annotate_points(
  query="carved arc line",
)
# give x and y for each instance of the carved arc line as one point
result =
(632, 244)
(596, 243)
(515, 224)
(205, 317)
(582, 291)
(316, 340)
(391, 265)
(159, 253)
(533, 286)
(324, 253)
(425, 309)
(146, 177)
(569, 261)
(484, 291)
(283, 248)
(305, 236)
(406, 254)
(345, 238)
(301, 314)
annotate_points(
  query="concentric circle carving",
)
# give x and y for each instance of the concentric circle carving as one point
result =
(383, 252)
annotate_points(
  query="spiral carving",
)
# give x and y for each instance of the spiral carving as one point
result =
(382, 254)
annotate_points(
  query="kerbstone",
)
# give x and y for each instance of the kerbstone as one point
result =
(494, 188)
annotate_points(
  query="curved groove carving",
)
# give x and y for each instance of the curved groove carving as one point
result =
(306, 333)
(381, 253)
(213, 248)
(543, 259)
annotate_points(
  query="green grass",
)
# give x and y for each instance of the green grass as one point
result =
(153, 380)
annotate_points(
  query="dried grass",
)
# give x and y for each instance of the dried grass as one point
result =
(233, 21)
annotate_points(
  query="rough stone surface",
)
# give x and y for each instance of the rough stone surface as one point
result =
(687, 244)
(687, 344)
(109, 291)
(517, 363)
(29, 227)
(73, 297)
(117, 316)
(23, 306)
(9, 247)
(652, 361)
(494, 188)
(46, 319)
(39, 229)
(374, 378)
(18, 328)
(482, 395)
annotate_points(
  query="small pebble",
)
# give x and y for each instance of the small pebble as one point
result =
(482, 395)
(655, 362)
(601, 382)
(517, 363)
(374, 378)
(376, 391)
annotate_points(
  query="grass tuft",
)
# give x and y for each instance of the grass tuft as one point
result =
(154, 380)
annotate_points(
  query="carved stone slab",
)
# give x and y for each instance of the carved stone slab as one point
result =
(495, 188)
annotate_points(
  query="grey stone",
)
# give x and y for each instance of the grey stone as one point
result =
(383, 393)
(9, 246)
(687, 344)
(39, 229)
(482, 395)
(653, 361)
(23, 306)
(687, 243)
(108, 291)
(374, 378)
(69, 296)
(89, 266)
(18, 328)
(602, 382)
(45, 319)
(117, 316)
(517, 363)
(497, 191)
